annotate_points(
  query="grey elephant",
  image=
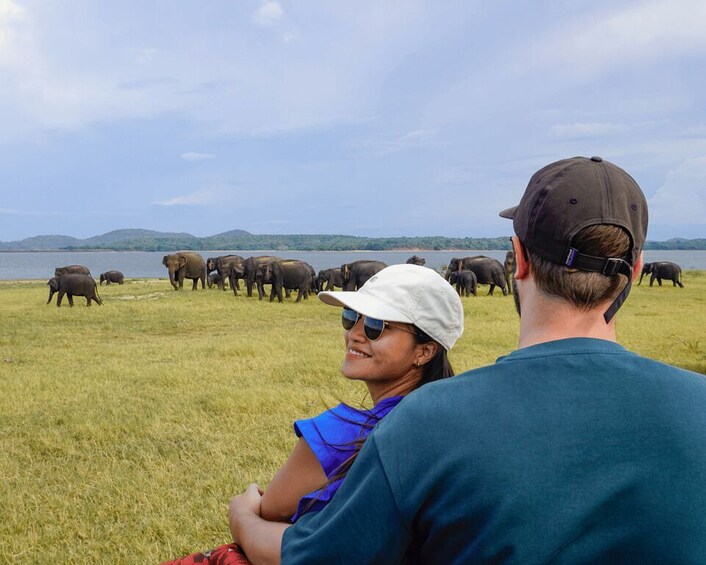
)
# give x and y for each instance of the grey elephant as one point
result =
(74, 284)
(214, 278)
(465, 281)
(509, 267)
(77, 269)
(662, 270)
(416, 260)
(289, 274)
(112, 277)
(250, 267)
(230, 268)
(357, 273)
(185, 265)
(328, 279)
(488, 271)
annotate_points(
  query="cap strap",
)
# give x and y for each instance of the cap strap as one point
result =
(609, 266)
(618, 302)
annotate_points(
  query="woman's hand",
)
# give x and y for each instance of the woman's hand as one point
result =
(261, 540)
(242, 508)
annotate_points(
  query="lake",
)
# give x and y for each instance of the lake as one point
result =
(148, 264)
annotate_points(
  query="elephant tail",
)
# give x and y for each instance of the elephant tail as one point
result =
(95, 286)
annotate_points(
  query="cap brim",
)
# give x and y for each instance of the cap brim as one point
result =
(509, 213)
(364, 304)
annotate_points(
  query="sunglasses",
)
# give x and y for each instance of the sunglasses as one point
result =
(372, 327)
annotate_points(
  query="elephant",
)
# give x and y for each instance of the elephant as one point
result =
(662, 270)
(289, 274)
(185, 265)
(79, 269)
(355, 274)
(331, 278)
(214, 278)
(74, 284)
(250, 266)
(510, 271)
(416, 260)
(112, 277)
(466, 282)
(227, 265)
(487, 270)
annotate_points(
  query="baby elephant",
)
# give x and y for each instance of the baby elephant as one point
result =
(111, 277)
(74, 285)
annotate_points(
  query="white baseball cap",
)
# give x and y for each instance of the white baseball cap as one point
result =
(410, 294)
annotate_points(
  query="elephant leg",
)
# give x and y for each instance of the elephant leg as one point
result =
(659, 281)
(71, 299)
(195, 284)
(60, 298)
(88, 300)
(681, 285)
(492, 288)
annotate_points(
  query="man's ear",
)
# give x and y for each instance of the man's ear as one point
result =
(637, 268)
(521, 261)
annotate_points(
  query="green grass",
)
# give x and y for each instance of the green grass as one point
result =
(126, 428)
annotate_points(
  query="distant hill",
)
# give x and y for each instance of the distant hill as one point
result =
(149, 240)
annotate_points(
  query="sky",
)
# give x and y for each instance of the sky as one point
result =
(373, 118)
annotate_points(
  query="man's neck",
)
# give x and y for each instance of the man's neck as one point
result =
(547, 319)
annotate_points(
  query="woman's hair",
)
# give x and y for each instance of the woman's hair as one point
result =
(437, 368)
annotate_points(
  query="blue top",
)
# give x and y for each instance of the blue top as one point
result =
(333, 437)
(573, 451)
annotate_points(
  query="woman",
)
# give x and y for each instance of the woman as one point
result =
(398, 329)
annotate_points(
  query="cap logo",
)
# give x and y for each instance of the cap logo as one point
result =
(571, 257)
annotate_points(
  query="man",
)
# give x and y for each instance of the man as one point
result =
(568, 450)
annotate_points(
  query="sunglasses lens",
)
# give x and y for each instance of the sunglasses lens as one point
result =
(373, 328)
(349, 318)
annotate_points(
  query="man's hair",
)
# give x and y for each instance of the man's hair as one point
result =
(584, 290)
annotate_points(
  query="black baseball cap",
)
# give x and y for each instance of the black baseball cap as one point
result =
(569, 195)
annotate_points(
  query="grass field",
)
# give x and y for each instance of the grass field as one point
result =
(126, 428)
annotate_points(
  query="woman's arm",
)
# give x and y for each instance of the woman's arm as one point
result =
(301, 474)
(261, 540)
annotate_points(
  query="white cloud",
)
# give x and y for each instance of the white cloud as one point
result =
(414, 138)
(682, 197)
(644, 31)
(217, 194)
(268, 13)
(192, 156)
(12, 37)
(290, 36)
(587, 130)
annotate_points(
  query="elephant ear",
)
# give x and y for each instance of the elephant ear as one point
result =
(164, 260)
(182, 262)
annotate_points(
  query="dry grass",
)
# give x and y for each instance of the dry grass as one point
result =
(126, 428)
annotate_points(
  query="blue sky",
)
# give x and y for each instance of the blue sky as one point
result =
(379, 118)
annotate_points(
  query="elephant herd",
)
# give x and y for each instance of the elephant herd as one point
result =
(294, 275)
(283, 275)
(76, 280)
(287, 275)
